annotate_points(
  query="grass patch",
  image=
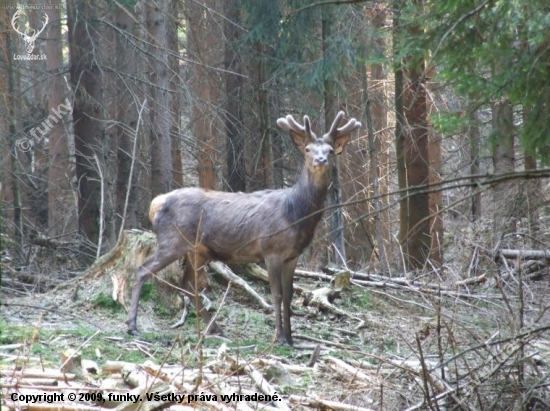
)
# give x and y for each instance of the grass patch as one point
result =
(362, 301)
(163, 311)
(10, 334)
(47, 345)
(149, 293)
(102, 300)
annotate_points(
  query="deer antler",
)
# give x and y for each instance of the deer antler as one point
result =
(25, 35)
(333, 127)
(14, 23)
(288, 123)
(347, 128)
(301, 135)
(350, 126)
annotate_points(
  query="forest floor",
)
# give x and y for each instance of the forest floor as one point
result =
(386, 346)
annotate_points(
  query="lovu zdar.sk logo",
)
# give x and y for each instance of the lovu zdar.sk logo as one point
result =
(29, 35)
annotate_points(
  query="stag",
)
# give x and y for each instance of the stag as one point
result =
(30, 35)
(271, 226)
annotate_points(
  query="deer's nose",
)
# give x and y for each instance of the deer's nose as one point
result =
(321, 160)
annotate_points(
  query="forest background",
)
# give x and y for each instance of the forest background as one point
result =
(123, 101)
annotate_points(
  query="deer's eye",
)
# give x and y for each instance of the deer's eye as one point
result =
(308, 149)
(331, 151)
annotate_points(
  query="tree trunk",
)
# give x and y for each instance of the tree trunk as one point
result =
(175, 86)
(533, 196)
(376, 164)
(277, 146)
(379, 111)
(13, 135)
(504, 194)
(260, 146)
(158, 21)
(108, 172)
(436, 196)
(128, 108)
(374, 180)
(203, 43)
(412, 152)
(416, 240)
(234, 88)
(338, 250)
(263, 108)
(87, 117)
(400, 134)
(474, 138)
(35, 186)
(61, 213)
(436, 201)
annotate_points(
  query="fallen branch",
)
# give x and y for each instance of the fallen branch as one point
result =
(115, 366)
(254, 271)
(480, 279)
(50, 383)
(11, 347)
(527, 254)
(322, 298)
(206, 304)
(319, 403)
(40, 406)
(229, 275)
(259, 380)
(47, 374)
(344, 368)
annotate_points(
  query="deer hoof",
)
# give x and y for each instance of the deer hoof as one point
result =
(133, 331)
(283, 341)
(215, 329)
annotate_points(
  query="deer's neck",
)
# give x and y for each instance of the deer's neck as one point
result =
(305, 199)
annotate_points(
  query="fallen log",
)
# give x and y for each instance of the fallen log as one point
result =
(229, 275)
(526, 254)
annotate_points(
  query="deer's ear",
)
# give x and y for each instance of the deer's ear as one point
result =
(301, 135)
(300, 140)
(340, 142)
(339, 137)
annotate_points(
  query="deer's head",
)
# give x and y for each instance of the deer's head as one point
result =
(318, 151)
(29, 35)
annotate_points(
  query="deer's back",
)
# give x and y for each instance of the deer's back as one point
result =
(239, 227)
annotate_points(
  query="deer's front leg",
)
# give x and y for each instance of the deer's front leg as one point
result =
(288, 291)
(274, 266)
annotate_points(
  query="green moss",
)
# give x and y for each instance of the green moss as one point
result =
(10, 334)
(163, 311)
(389, 344)
(149, 293)
(102, 300)
(363, 301)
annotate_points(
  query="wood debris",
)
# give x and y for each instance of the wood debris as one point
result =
(225, 382)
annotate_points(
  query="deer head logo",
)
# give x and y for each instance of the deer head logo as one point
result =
(30, 35)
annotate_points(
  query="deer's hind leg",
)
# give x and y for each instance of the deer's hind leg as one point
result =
(163, 257)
